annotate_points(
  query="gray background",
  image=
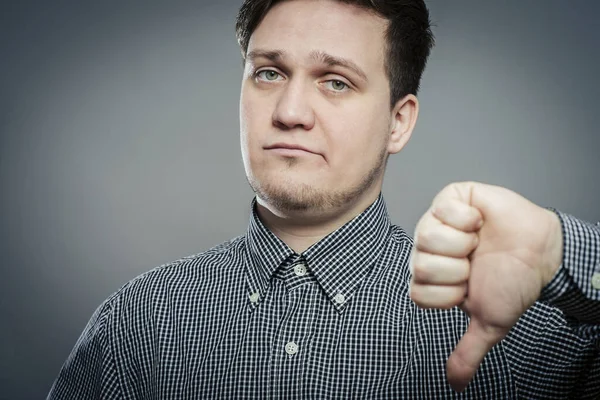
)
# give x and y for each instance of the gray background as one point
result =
(119, 146)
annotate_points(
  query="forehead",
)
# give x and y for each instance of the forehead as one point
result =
(301, 27)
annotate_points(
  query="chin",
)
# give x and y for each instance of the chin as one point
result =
(299, 197)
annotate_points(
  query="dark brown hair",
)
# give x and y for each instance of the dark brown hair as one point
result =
(409, 37)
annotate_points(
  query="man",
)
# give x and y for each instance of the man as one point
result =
(315, 300)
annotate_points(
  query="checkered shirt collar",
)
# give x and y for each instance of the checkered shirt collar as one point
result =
(340, 262)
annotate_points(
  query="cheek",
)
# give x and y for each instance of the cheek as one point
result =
(246, 112)
(251, 129)
(357, 142)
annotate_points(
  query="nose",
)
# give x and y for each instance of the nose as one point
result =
(293, 109)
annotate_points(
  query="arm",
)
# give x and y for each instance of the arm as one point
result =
(90, 371)
(492, 252)
(575, 288)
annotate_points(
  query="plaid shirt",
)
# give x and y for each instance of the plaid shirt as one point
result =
(251, 318)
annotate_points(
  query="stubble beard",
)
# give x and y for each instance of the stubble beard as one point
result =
(291, 197)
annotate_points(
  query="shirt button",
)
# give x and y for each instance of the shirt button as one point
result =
(339, 298)
(300, 270)
(291, 348)
(596, 281)
(254, 297)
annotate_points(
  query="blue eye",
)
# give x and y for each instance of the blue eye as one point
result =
(336, 85)
(268, 75)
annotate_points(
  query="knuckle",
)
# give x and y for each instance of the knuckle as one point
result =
(449, 188)
(422, 222)
(414, 293)
(421, 273)
(423, 238)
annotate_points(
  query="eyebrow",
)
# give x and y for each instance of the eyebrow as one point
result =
(271, 55)
(333, 61)
(316, 55)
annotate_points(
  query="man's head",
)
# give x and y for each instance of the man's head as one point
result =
(408, 37)
(321, 75)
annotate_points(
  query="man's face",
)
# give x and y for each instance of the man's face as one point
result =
(314, 107)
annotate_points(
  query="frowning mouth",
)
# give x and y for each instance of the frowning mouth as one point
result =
(291, 150)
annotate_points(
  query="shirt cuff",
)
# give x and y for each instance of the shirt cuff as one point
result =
(575, 288)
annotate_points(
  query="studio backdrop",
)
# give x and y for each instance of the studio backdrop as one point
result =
(119, 142)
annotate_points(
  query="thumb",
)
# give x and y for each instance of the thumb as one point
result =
(469, 353)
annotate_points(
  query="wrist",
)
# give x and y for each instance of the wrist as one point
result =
(553, 254)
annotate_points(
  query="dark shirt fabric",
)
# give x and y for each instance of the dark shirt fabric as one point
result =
(251, 318)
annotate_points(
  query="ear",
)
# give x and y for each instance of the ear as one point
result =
(404, 118)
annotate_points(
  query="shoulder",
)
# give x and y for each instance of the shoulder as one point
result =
(222, 262)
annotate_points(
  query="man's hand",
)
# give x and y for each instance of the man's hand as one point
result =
(489, 251)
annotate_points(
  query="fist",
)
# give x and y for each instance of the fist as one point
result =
(489, 251)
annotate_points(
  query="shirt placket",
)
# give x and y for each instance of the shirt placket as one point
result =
(292, 345)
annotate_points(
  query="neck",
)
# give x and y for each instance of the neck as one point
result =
(300, 231)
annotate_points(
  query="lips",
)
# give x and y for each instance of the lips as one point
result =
(289, 146)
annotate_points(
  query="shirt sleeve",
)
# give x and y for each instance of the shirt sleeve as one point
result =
(575, 289)
(90, 371)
